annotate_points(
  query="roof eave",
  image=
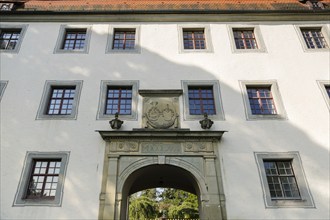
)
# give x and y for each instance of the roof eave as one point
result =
(161, 15)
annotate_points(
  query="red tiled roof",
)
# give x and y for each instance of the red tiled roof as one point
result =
(165, 5)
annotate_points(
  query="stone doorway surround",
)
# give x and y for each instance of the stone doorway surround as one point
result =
(192, 153)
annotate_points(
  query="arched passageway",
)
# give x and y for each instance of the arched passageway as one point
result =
(181, 159)
(153, 176)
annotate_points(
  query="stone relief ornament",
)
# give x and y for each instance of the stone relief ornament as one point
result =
(124, 147)
(160, 113)
(198, 147)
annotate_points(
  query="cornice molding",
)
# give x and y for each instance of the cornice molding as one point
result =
(149, 16)
(149, 134)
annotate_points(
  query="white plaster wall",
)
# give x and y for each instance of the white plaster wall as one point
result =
(161, 66)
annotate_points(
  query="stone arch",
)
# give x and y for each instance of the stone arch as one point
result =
(173, 164)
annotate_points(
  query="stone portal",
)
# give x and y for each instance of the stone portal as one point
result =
(149, 158)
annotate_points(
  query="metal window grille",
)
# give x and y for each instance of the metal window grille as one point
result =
(281, 180)
(201, 100)
(314, 38)
(61, 101)
(44, 179)
(194, 39)
(124, 40)
(119, 100)
(9, 39)
(245, 39)
(74, 40)
(261, 101)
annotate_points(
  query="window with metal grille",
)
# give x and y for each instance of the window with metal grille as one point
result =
(44, 179)
(124, 39)
(9, 38)
(201, 100)
(245, 39)
(261, 101)
(281, 180)
(314, 38)
(61, 101)
(194, 39)
(74, 39)
(119, 100)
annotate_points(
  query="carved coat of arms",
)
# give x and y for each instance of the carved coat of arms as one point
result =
(160, 113)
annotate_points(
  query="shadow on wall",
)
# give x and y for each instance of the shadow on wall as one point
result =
(154, 71)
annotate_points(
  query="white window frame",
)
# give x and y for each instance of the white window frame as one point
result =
(306, 200)
(59, 43)
(112, 29)
(257, 34)
(280, 110)
(26, 174)
(103, 95)
(207, 34)
(3, 85)
(46, 97)
(22, 28)
(322, 84)
(217, 99)
(324, 31)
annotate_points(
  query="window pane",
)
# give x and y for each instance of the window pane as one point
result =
(201, 100)
(61, 101)
(74, 40)
(42, 180)
(9, 39)
(261, 101)
(119, 100)
(245, 39)
(194, 39)
(124, 40)
(314, 38)
(281, 179)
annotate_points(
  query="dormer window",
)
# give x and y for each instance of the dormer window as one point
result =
(313, 4)
(6, 6)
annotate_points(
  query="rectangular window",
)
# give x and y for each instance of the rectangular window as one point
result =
(119, 100)
(9, 38)
(202, 97)
(74, 39)
(261, 101)
(44, 179)
(124, 39)
(281, 180)
(194, 39)
(61, 101)
(118, 97)
(201, 100)
(245, 39)
(314, 38)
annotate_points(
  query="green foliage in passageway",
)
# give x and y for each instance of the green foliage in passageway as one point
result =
(163, 202)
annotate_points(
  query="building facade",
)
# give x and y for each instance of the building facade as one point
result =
(228, 100)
